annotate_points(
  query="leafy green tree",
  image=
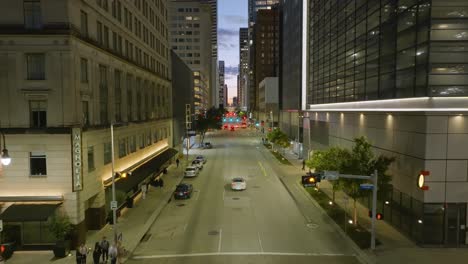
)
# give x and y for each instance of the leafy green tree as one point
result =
(360, 160)
(211, 119)
(278, 137)
(332, 159)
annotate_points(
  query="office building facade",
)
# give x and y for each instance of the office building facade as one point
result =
(243, 77)
(69, 69)
(191, 38)
(221, 98)
(394, 71)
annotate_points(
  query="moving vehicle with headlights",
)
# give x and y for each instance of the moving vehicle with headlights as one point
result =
(191, 171)
(183, 191)
(238, 184)
(197, 163)
(201, 158)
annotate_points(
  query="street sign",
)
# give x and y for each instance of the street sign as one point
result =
(113, 205)
(366, 186)
(331, 175)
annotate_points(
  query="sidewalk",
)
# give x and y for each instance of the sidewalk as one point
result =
(133, 223)
(395, 247)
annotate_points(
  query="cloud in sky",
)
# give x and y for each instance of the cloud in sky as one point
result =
(236, 19)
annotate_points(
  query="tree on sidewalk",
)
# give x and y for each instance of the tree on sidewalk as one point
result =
(360, 160)
(211, 119)
(332, 159)
(278, 137)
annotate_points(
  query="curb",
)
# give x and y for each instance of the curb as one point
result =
(360, 254)
(151, 221)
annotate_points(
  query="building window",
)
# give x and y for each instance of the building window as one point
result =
(142, 141)
(107, 153)
(84, 23)
(99, 32)
(85, 109)
(35, 66)
(122, 147)
(91, 159)
(37, 164)
(38, 114)
(84, 70)
(118, 95)
(106, 37)
(132, 144)
(32, 14)
(103, 94)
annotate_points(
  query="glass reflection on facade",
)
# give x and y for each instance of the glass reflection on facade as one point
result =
(369, 50)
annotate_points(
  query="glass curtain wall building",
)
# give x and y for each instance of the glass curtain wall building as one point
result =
(366, 52)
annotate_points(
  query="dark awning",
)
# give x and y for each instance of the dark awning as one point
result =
(28, 212)
(153, 166)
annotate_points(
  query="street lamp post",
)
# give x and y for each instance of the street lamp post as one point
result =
(5, 157)
(113, 202)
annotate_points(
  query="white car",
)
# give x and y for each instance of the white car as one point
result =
(201, 158)
(238, 184)
(191, 171)
(197, 163)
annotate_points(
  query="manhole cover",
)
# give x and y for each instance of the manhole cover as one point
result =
(256, 187)
(213, 233)
(235, 198)
(313, 226)
(180, 205)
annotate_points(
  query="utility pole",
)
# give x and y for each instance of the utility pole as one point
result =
(188, 126)
(334, 175)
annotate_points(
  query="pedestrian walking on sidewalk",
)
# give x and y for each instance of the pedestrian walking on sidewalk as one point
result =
(113, 253)
(105, 249)
(303, 164)
(84, 253)
(97, 253)
(177, 161)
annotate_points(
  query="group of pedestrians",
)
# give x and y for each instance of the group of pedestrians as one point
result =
(101, 249)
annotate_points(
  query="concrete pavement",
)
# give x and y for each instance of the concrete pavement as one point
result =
(395, 247)
(133, 223)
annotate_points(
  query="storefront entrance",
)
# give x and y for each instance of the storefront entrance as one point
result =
(455, 227)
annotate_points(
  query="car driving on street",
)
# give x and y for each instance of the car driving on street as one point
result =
(183, 191)
(191, 171)
(201, 158)
(207, 145)
(238, 184)
(197, 163)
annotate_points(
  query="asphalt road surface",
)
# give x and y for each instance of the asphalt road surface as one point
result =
(260, 225)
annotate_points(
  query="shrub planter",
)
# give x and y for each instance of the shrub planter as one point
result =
(61, 248)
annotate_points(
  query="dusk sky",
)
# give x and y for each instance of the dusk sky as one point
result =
(232, 15)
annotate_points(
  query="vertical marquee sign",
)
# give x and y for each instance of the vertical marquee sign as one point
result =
(77, 180)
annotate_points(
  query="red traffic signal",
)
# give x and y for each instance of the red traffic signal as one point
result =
(378, 216)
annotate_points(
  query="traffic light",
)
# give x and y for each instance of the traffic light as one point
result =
(378, 216)
(311, 179)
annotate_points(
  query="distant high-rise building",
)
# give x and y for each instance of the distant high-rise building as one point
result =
(225, 94)
(221, 98)
(266, 47)
(243, 76)
(255, 5)
(192, 38)
(234, 101)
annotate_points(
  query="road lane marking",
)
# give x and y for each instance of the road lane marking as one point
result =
(262, 168)
(185, 226)
(220, 237)
(198, 195)
(242, 254)
(224, 193)
(260, 241)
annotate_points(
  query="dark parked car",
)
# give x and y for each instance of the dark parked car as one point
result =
(183, 191)
(208, 145)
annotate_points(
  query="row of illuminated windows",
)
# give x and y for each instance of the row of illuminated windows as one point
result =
(182, 40)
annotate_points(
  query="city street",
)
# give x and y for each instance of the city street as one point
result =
(259, 225)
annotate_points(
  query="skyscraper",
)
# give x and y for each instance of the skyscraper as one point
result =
(395, 72)
(221, 98)
(191, 28)
(243, 67)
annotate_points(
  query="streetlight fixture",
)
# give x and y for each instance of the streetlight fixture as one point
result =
(6, 160)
